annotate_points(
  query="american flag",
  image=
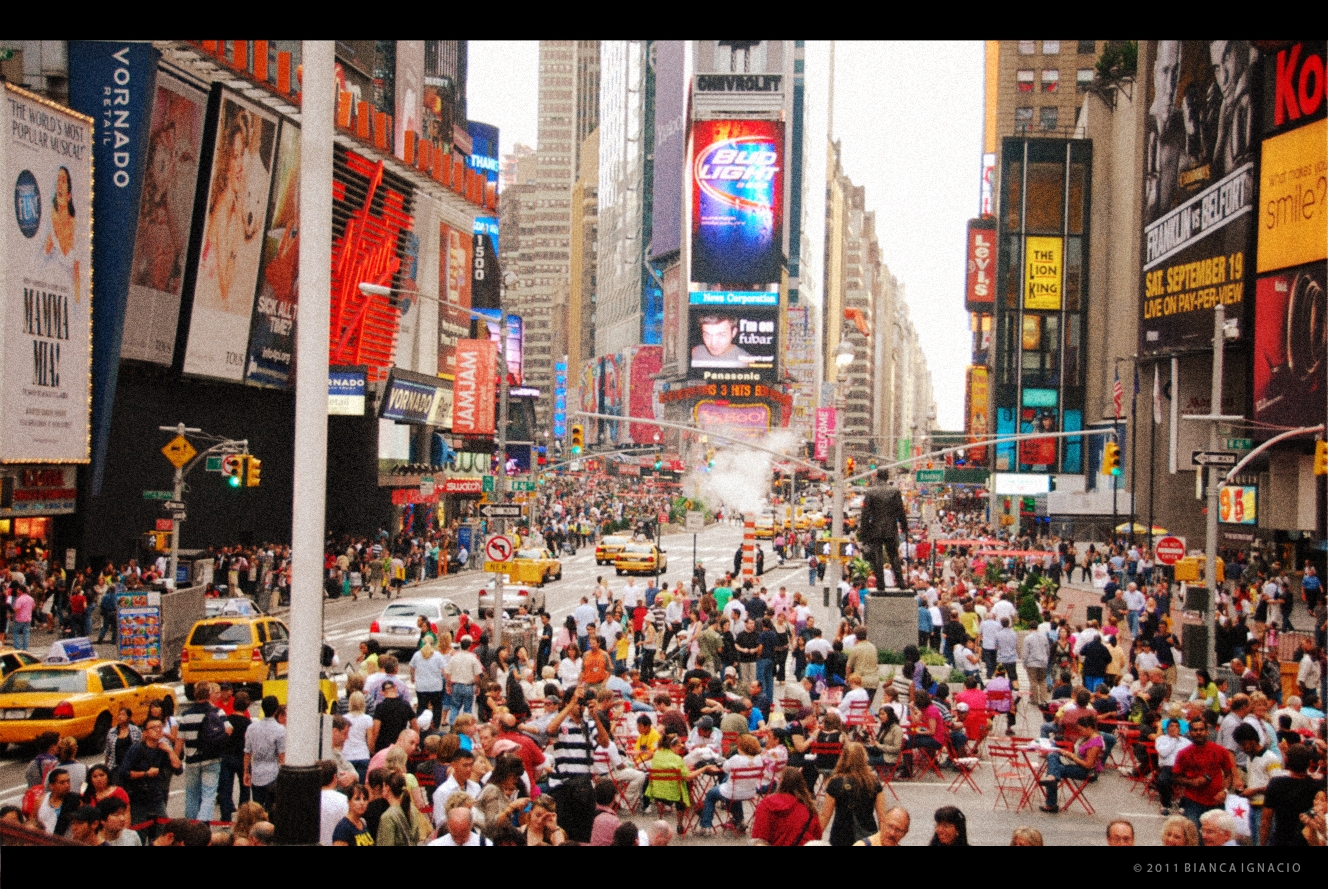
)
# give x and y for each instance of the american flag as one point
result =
(1117, 393)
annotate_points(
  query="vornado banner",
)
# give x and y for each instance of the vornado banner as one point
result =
(473, 387)
(416, 399)
(1199, 189)
(45, 280)
(737, 201)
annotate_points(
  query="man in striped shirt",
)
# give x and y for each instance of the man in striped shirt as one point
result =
(575, 733)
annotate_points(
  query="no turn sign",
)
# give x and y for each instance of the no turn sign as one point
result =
(498, 548)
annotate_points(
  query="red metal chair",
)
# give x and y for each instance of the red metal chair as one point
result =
(726, 822)
(859, 715)
(1010, 772)
(1001, 703)
(965, 766)
(686, 816)
(1077, 787)
(620, 788)
(818, 750)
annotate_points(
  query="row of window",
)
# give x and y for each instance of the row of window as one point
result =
(1053, 47)
(1026, 79)
(1048, 119)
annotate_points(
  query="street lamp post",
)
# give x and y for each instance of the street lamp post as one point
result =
(844, 354)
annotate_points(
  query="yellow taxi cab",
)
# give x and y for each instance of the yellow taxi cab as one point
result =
(534, 566)
(12, 658)
(79, 698)
(765, 526)
(641, 558)
(606, 553)
(801, 522)
(230, 649)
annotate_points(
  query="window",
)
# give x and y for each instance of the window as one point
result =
(1027, 47)
(1051, 80)
(1083, 78)
(1051, 47)
(1047, 120)
(110, 680)
(1024, 80)
(1087, 47)
(1023, 119)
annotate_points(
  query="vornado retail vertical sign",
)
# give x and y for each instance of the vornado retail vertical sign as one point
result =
(45, 279)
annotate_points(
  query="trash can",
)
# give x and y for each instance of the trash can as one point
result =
(1095, 613)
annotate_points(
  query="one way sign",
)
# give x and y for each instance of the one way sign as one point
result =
(1215, 458)
(501, 510)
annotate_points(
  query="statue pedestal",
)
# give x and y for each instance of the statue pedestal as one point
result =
(892, 619)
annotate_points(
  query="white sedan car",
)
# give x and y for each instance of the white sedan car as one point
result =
(514, 596)
(398, 626)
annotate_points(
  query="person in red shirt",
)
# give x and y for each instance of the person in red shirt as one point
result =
(1203, 771)
(79, 614)
(788, 816)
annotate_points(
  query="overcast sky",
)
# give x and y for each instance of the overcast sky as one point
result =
(909, 115)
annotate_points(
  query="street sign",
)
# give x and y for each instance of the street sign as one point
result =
(1215, 458)
(498, 548)
(158, 495)
(498, 567)
(500, 511)
(165, 525)
(179, 451)
(173, 504)
(426, 486)
(1170, 550)
(695, 521)
(522, 485)
(213, 463)
(488, 484)
(178, 516)
(1238, 444)
(930, 475)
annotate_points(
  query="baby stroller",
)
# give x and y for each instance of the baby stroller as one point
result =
(673, 664)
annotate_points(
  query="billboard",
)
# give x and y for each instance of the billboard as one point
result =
(611, 389)
(670, 146)
(980, 285)
(733, 335)
(272, 327)
(515, 340)
(408, 91)
(559, 399)
(111, 81)
(483, 156)
(473, 387)
(45, 280)
(1237, 505)
(454, 268)
(1290, 343)
(646, 363)
(975, 411)
(165, 216)
(416, 399)
(825, 428)
(737, 201)
(345, 391)
(589, 389)
(742, 421)
(225, 275)
(1293, 218)
(1199, 189)
(1042, 273)
(1037, 451)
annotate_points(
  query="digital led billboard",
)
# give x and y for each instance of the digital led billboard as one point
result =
(737, 201)
(733, 335)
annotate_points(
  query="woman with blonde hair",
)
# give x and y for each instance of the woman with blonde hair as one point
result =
(356, 748)
(1179, 831)
(856, 793)
(1026, 836)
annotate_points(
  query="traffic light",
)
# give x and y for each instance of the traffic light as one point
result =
(659, 462)
(849, 466)
(1111, 462)
(578, 439)
(1321, 458)
(251, 476)
(232, 467)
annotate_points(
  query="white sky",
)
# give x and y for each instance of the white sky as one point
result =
(911, 137)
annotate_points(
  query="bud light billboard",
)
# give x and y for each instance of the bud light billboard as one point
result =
(737, 201)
